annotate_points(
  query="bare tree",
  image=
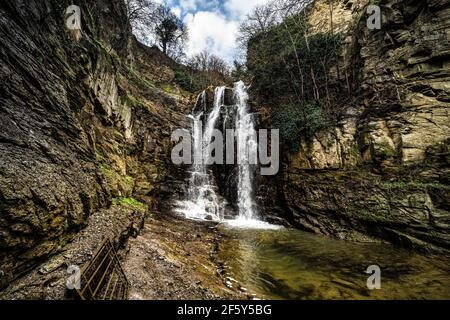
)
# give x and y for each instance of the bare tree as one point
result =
(169, 30)
(155, 23)
(199, 61)
(205, 61)
(208, 68)
(287, 8)
(258, 22)
(139, 14)
(266, 16)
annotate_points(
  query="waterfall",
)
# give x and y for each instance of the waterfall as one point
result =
(204, 201)
(219, 96)
(246, 154)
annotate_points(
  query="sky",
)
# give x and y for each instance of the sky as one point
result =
(213, 24)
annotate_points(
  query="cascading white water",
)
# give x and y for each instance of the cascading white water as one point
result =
(219, 96)
(203, 202)
(246, 153)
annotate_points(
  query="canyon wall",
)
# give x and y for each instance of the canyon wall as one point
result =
(382, 170)
(86, 118)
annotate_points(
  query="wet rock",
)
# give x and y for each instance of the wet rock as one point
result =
(220, 271)
(110, 223)
(376, 172)
(52, 266)
(79, 128)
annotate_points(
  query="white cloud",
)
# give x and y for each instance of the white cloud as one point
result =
(211, 31)
(188, 5)
(177, 11)
(240, 8)
(213, 24)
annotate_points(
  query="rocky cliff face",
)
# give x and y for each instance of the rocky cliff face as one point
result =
(85, 120)
(384, 169)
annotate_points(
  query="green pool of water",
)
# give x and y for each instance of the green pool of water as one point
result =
(291, 264)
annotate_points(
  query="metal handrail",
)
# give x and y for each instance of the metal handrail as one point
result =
(97, 278)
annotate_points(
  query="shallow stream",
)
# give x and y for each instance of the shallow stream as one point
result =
(291, 264)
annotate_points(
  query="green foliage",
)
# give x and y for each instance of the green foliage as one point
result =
(297, 120)
(286, 62)
(138, 79)
(131, 203)
(292, 67)
(188, 80)
(239, 71)
(413, 184)
(192, 80)
(105, 169)
(122, 184)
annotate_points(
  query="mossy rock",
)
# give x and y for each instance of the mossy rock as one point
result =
(130, 203)
(120, 185)
(383, 151)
